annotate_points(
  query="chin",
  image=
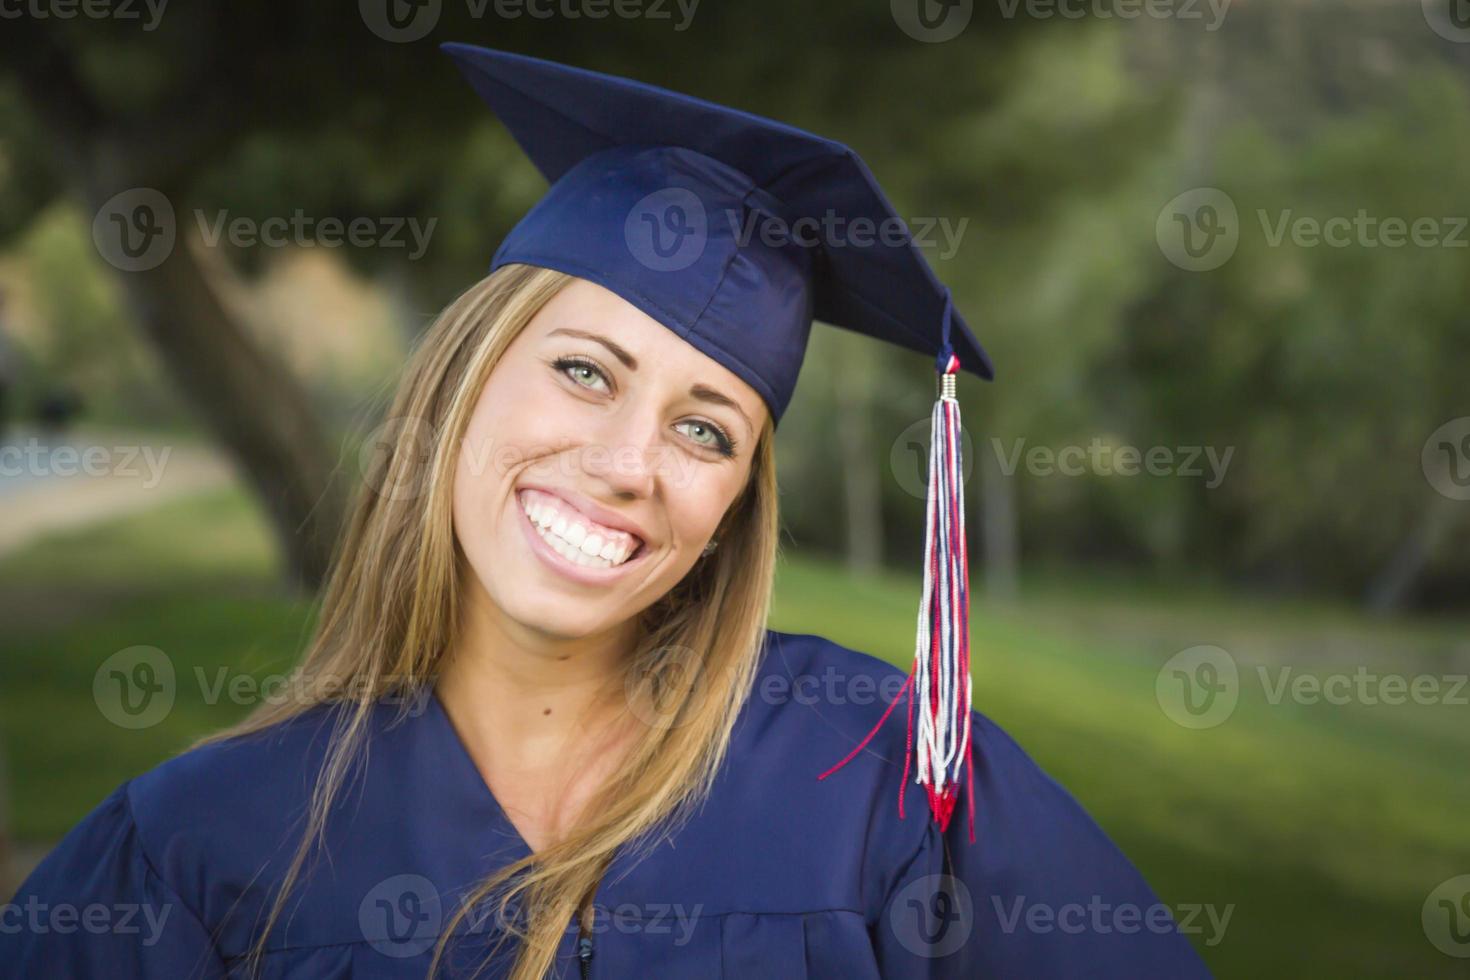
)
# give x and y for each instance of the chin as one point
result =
(550, 618)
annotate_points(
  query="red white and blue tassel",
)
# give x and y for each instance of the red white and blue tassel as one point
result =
(938, 747)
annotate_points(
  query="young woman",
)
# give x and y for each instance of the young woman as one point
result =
(542, 728)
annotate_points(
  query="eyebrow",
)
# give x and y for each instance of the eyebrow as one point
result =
(707, 394)
(629, 361)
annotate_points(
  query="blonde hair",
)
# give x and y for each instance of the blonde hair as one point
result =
(390, 613)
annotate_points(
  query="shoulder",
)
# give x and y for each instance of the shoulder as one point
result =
(1036, 851)
(817, 758)
(817, 703)
(836, 697)
(227, 810)
(234, 779)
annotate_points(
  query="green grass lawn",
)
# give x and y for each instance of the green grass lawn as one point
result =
(1324, 826)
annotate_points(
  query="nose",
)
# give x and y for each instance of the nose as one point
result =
(623, 454)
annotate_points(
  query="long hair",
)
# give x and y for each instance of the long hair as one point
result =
(391, 609)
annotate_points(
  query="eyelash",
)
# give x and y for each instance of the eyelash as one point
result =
(725, 445)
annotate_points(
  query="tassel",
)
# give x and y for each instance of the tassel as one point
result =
(941, 673)
(938, 743)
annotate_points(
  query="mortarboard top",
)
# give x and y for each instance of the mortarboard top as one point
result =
(668, 201)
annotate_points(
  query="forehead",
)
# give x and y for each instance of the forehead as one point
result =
(587, 308)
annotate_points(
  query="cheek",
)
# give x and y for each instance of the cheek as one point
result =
(519, 419)
(695, 513)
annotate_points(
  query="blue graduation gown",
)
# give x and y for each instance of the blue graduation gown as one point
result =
(776, 876)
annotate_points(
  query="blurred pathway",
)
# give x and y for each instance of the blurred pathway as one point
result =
(60, 483)
(82, 478)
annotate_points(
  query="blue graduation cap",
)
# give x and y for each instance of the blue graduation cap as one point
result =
(735, 231)
(705, 217)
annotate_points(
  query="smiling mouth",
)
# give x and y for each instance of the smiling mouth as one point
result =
(573, 535)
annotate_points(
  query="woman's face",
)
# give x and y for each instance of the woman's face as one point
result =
(599, 461)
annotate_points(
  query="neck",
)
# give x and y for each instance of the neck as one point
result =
(525, 701)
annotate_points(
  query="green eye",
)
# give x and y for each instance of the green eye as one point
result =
(708, 435)
(585, 373)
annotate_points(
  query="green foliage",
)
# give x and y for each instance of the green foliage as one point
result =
(1051, 145)
(90, 344)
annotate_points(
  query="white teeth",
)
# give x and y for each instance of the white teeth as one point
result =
(572, 538)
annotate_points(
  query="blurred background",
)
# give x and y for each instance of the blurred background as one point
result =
(1219, 496)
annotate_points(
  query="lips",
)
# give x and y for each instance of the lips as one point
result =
(573, 535)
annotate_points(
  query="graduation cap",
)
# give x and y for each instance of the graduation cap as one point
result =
(735, 232)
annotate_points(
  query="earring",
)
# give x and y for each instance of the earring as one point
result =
(710, 547)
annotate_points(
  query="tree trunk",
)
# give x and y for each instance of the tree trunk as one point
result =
(243, 393)
(1391, 588)
(250, 401)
